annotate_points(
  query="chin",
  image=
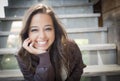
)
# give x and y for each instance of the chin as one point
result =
(42, 48)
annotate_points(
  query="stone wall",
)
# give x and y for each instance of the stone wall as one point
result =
(111, 19)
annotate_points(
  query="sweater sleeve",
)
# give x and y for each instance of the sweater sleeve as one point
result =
(77, 70)
(43, 72)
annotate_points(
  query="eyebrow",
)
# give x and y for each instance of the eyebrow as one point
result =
(33, 26)
(44, 26)
(48, 25)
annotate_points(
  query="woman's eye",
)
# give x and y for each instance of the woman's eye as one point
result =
(33, 30)
(48, 29)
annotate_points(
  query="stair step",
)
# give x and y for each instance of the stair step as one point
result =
(78, 20)
(10, 73)
(96, 54)
(99, 70)
(84, 30)
(79, 15)
(99, 54)
(14, 11)
(94, 70)
(6, 33)
(59, 16)
(68, 30)
(100, 34)
(90, 35)
(48, 2)
(8, 51)
(54, 6)
(11, 19)
(92, 47)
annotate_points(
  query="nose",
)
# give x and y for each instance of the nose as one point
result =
(41, 35)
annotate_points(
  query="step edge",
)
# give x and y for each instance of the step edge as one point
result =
(85, 30)
(95, 47)
(79, 15)
(59, 16)
(112, 69)
(87, 72)
(98, 47)
(68, 30)
(68, 5)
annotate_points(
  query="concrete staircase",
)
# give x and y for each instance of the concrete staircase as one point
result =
(81, 25)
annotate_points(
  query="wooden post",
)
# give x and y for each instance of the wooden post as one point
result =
(114, 37)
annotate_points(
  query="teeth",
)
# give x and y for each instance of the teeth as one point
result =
(42, 42)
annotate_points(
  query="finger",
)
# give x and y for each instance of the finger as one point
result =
(25, 45)
(32, 47)
(26, 42)
(28, 48)
(27, 39)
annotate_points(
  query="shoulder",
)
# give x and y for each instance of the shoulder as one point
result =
(21, 63)
(71, 44)
(18, 58)
(72, 49)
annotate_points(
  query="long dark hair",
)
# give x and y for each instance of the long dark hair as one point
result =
(57, 51)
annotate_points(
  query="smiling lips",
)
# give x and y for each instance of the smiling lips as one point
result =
(41, 44)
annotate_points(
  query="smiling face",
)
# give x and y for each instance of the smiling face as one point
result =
(41, 31)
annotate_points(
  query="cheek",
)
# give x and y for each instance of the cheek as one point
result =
(32, 37)
(52, 36)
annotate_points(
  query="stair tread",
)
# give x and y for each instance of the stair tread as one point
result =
(4, 33)
(92, 47)
(80, 15)
(55, 3)
(89, 47)
(91, 70)
(68, 30)
(11, 18)
(8, 50)
(96, 70)
(54, 6)
(94, 29)
(59, 16)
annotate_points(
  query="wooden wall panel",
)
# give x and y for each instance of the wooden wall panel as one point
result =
(111, 19)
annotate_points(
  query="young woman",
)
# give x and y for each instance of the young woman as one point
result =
(46, 53)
